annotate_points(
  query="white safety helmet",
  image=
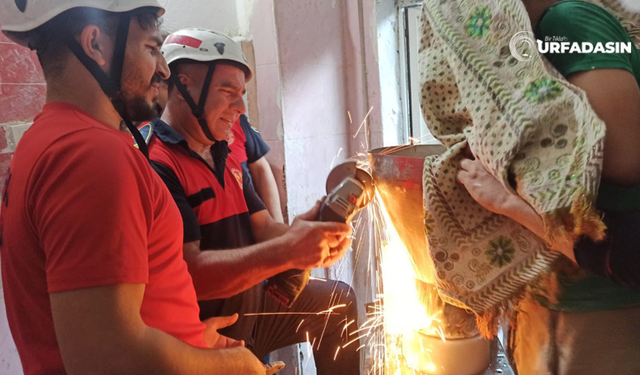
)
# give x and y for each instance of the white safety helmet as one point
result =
(207, 46)
(19, 16)
(204, 45)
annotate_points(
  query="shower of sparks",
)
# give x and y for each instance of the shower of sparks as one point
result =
(397, 312)
(334, 299)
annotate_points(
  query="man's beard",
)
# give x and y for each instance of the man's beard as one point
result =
(138, 109)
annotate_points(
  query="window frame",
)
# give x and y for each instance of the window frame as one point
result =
(409, 14)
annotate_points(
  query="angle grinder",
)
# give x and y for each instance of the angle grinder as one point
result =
(349, 189)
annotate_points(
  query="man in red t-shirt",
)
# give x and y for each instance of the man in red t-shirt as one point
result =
(249, 149)
(92, 267)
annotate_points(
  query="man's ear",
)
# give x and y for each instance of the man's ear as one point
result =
(96, 45)
(186, 81)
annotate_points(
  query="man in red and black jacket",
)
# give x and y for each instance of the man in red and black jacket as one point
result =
(231, 243)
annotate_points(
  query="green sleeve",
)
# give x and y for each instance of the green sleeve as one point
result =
(580, 21)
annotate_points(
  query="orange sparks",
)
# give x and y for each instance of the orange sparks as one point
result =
(363, 122)
(330, 310)
(318, 279)
(290, 313)
(335, 158)
(347, 326)
(299, 325)
(352, 341)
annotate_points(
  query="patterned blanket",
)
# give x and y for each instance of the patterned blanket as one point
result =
(530, 128)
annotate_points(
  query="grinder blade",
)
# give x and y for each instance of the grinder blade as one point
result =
(351, 169)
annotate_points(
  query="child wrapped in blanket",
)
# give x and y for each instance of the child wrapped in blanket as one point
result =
(594, 328)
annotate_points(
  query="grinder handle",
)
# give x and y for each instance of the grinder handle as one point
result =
(326, 214)
(287, 286)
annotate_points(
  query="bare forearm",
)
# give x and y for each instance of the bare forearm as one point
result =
(267, 188)
(175, 357)
(520, 211)
(225, 273)
(491, 194)
(155, 352)
(100, 332)
(270, 231)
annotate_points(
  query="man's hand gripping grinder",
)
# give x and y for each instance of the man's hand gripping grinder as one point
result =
(349, 189)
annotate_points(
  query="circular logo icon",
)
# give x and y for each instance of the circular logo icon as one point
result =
(523, 46)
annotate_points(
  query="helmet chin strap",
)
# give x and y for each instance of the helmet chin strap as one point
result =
(220, 149)
(112, 85)
(197, 109)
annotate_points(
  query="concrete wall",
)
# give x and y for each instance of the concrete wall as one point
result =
(269, 91)
(314, 94)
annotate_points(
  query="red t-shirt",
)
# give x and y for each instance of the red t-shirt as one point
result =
(246, 144)
(237, 143)
(84, 209)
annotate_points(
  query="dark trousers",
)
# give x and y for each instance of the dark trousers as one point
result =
(326, 331)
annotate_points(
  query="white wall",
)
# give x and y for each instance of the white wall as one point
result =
(219, 15)
(232, 17)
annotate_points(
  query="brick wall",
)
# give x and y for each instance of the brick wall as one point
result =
(22, 95)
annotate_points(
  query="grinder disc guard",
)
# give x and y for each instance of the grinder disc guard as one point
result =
(350, 169)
